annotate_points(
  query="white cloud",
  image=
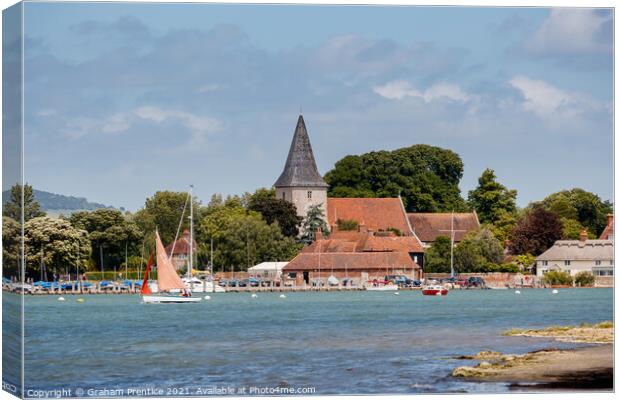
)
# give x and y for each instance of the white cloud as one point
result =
(398, 90)
(116, 123)
(570, 30)
(545, 100)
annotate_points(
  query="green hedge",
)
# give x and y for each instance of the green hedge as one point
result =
(558, 278)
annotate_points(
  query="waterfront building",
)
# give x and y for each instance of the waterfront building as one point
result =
(300, 182)
(574, 256)
(179, 251)
(269, 270)
(374, 214)
(608, 232)
(360, 256)
(429, 226)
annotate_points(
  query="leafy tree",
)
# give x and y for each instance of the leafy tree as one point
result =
(315, 220)
(572, 229)
(503, 225)
(163, 212)
(492, 200)
(109, 233)
(476, 250)
(264, 201)
(582, 206)
(558, 278)
(61, 246)
(347, 224)
(437, 257)
(535, 232)
(241, 238)
(11, 244)
(584, 278)
(525, 262)
(426, 177)
(13, 207)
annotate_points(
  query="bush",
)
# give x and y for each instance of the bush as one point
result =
(558, 278)
(584, 278)
(347, 224)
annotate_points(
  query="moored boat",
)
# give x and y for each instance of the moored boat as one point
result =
(434, 290)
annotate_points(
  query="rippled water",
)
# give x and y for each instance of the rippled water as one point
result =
(337, 343)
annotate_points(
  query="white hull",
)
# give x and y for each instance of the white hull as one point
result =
(382, 288)
(195, 288)
(169, 299)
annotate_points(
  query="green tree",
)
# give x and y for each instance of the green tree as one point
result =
(477, 250)
(535, 232)
(584, 279)
(492, 201)
(558, 278)
(426, 177)
(525, 262)
(503, 225)
(273, 210)
(582, 206)
(241, 238)
(163, 212)
(60, 245)
(13, 207)
(11, 244)
(314, 220)
(109, 232)
(437, 257)
(572, 229)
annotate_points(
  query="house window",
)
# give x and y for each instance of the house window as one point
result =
(597, 262)
(309, 194)
(545, 263)
(283, 196)
(566, 262)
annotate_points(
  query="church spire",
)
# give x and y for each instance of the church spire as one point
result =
(300, 168)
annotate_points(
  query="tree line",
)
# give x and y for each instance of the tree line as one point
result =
(244, 230)
(255, 227)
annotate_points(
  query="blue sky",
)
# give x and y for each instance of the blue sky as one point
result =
(123, 100)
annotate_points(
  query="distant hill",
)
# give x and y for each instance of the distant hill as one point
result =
(53, 203)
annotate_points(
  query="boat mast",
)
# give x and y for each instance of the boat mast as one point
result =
(191, 234)
(211, 269)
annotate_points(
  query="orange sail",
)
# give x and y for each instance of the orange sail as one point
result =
(145, 282)
(167, 277)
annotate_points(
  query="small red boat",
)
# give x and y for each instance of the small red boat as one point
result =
(434, 290)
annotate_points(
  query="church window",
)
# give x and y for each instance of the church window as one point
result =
(309, 194)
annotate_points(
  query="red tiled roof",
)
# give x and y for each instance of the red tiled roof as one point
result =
(428, 226)
(353, 241)
(351, 261)
(375, 213)
(609, 229)
(181, 246)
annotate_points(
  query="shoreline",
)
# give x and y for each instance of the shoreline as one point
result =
(580, 368)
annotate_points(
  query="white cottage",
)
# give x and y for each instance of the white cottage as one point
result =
(574, 256)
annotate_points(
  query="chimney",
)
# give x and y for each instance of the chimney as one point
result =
(362, 228)
(583, 236)
(319, 234)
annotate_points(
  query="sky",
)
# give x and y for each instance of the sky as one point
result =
(123, 100)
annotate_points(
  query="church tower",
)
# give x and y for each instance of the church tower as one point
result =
(300, 181)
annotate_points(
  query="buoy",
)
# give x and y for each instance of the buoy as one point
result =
(396, 293)
(80, 300)
(554, 291)
(61, 298)
(283, 296)
(517, 292)
(254, 295)
(207, 297)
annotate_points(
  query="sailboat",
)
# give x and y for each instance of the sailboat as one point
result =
(167, 280)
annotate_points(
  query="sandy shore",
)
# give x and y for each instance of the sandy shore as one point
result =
(588, 368)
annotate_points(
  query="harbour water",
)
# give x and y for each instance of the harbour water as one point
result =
(328, 343)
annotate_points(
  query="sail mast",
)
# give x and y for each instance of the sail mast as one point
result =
(191, 234)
